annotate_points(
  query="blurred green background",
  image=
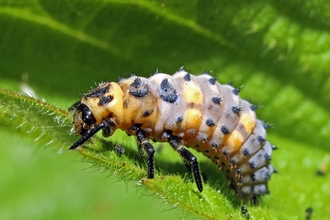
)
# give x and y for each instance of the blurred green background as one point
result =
(278, 50)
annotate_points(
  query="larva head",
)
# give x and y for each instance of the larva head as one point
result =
(83, 118)
(101, 104)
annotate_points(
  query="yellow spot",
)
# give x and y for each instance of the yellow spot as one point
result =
(192, 93)
(193, 118)
(235, 141)
(248, 122)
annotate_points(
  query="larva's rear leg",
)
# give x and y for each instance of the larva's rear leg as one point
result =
(144, 146)
(189, 159)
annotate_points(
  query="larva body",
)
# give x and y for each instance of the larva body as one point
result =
(184, 110)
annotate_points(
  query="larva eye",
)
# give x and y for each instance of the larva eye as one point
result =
(87, 115)
(83, 118)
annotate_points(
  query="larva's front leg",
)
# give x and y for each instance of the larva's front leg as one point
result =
(189, 159)
(144, 146)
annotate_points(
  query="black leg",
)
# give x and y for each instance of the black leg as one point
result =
(146, 147)
(90, 133)
(106, 132)
(189, 159)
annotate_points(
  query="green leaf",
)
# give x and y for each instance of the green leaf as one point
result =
(277, 49)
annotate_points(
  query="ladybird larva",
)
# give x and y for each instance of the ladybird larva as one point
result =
(183, 110)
